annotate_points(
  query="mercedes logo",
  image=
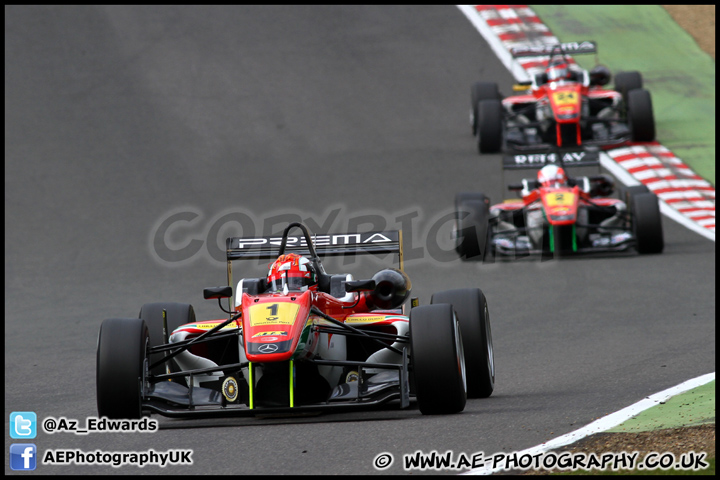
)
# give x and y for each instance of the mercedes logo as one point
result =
(267, 348)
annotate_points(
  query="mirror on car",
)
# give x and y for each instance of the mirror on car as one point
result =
(360, 286)
(217, 292)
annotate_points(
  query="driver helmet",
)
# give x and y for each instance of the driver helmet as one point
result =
(293, 270)
(557, 70)
(552, 176)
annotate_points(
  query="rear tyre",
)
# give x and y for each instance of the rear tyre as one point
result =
(472, 312)
(438, 361)
(634, 190)
(121, 353)
(481, 91)
(177, 314)
(627, 81)
(472, 212)
(489, 128)
(640, 116)
(647, 223)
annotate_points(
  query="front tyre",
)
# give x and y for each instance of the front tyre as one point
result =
(647, 223)
(177, 314)
(121, 353)
(472, 312)
(489, 126)
(438, 360)
(481, 91)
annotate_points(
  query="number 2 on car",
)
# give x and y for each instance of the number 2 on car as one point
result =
(560, 199)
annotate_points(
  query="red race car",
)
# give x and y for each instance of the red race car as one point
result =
(299, 340)
(558, 216)
(562, 106)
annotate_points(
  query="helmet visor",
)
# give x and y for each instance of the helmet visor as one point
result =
(556, 73)
(294, 282)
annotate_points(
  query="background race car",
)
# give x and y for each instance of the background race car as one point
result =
(564, 106)
(557, 216)
(300, 340)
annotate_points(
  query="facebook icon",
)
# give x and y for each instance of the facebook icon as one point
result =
(23, 456)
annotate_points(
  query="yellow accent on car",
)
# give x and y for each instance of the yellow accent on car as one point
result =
(292, 384)
(563, 199)
(280, 313)
(250, 384)
(565, 98)
(366, 319)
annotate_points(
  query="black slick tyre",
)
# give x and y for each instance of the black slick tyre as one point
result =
(121, 353)
(437, 359)
(481, 91)
(177, 314)
(640, 115)
(634, 190)
(489, 126)
(627, 81)
(472, 312)
(472, 213)
(647, 223)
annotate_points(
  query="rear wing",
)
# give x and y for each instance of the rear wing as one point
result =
(324, 245)
(339, 244)
(577, 157)
(570, 48)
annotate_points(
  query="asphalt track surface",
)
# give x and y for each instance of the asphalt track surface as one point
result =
(117, 117)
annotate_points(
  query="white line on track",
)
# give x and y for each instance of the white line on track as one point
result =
(608, 421)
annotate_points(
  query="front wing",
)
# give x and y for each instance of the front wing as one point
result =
(167, 395)
(509, 244)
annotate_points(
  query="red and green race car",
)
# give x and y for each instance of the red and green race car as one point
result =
(556, 216)
(562, 106)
